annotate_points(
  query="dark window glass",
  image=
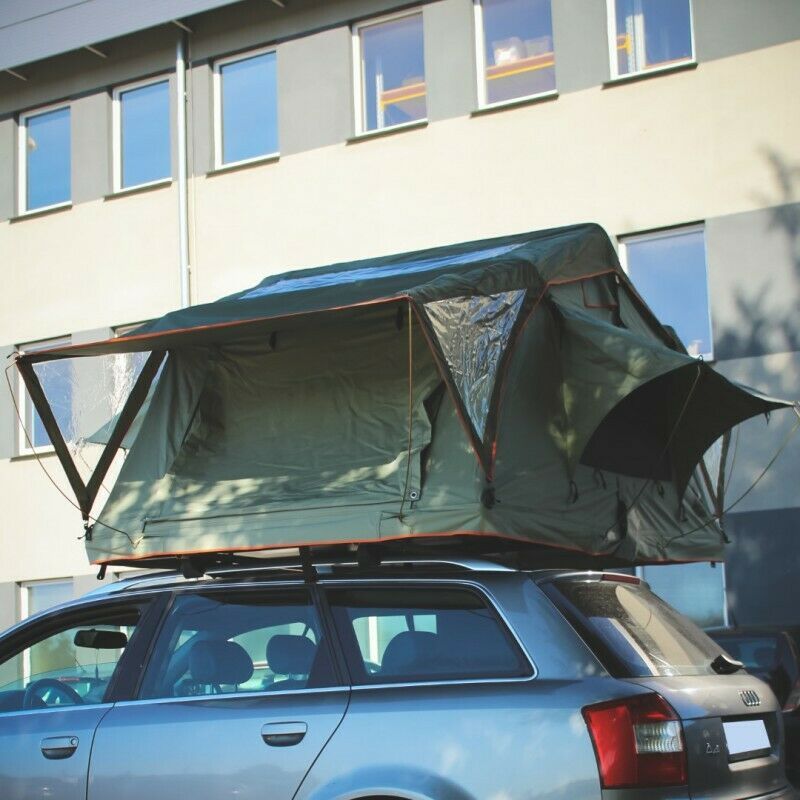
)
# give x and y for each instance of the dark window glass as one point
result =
(144, 128)
(393, 72)
(645, 635)
(219, 644)
(404, 634)
(652, 33)
(518, 48)
(48, 161)
(249, 108)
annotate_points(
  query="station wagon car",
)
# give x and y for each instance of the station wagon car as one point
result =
(414, 680)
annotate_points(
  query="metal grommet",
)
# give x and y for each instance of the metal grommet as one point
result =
(413, 495)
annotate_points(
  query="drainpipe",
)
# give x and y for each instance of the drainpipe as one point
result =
(183, 205)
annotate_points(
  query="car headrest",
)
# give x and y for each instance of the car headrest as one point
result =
(290, 655)
(220, 662)
(409, 653)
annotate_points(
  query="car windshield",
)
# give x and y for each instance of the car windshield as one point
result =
(647, 636)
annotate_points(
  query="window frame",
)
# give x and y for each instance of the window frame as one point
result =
(359, 106)
(480, 65)
(614, 74)
(25, 443)
(151, 606)
(340, 678)
(116, 135)
(216, 93)
(351, 653)
(22, 158)
(665, 233)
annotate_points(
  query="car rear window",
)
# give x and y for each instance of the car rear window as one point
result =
(641, 633)
(403, 634)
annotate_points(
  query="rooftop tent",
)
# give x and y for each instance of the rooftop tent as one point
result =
(516, 389)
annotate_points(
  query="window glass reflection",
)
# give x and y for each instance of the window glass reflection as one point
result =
(518, 48)
(144, 122)
(393, 74)
(249, 108)
(669, 271)
(652, 33)
(48, 162)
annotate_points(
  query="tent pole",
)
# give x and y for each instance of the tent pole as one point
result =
(54, 432)
(129, 410)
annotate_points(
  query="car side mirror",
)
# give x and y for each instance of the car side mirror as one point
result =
(100, 640)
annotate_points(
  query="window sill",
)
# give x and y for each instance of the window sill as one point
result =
(39, 452)
(377, 134)
(271, 158)
(517, 102)
(684, 66)
(139, 188)
(42, 212)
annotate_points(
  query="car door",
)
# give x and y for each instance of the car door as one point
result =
(239, 697)
(57, 675)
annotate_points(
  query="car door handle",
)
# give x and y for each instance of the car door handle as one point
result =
(59, 746)
(283, 734)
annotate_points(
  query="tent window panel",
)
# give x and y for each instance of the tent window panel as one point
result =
(473, 333)
(516, 49)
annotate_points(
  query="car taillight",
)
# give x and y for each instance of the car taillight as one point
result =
(638, 742)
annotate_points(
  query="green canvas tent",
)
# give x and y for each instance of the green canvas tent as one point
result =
(515, 388)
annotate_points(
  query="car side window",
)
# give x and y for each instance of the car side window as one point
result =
(218, 643)
(69, 664)
(406, 634)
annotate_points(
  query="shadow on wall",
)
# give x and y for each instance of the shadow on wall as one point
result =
(767, 315)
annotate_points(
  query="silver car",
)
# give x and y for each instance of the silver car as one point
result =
(424, 680)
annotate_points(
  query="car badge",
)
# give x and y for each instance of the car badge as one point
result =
(750, 698)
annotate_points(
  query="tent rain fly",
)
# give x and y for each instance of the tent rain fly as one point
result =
(516, 389)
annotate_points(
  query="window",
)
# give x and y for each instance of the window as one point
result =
(648, 34)
(44, 159)
(403, 634)
(246, 108)
(668, 269)
(221, 644)
(41, 595)
(68, 667)
(57, 384)
(142, 148)
(515, 49)
(640, 631)
(390, 72)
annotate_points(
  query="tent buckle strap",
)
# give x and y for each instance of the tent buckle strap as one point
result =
(101, 575)
(310, 574)
(488, 497)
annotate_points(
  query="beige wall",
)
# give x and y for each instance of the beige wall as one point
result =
(670, 149)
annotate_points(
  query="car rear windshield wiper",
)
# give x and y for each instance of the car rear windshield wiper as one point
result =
(725, 665)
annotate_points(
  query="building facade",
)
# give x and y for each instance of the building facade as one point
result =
(156, 154)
